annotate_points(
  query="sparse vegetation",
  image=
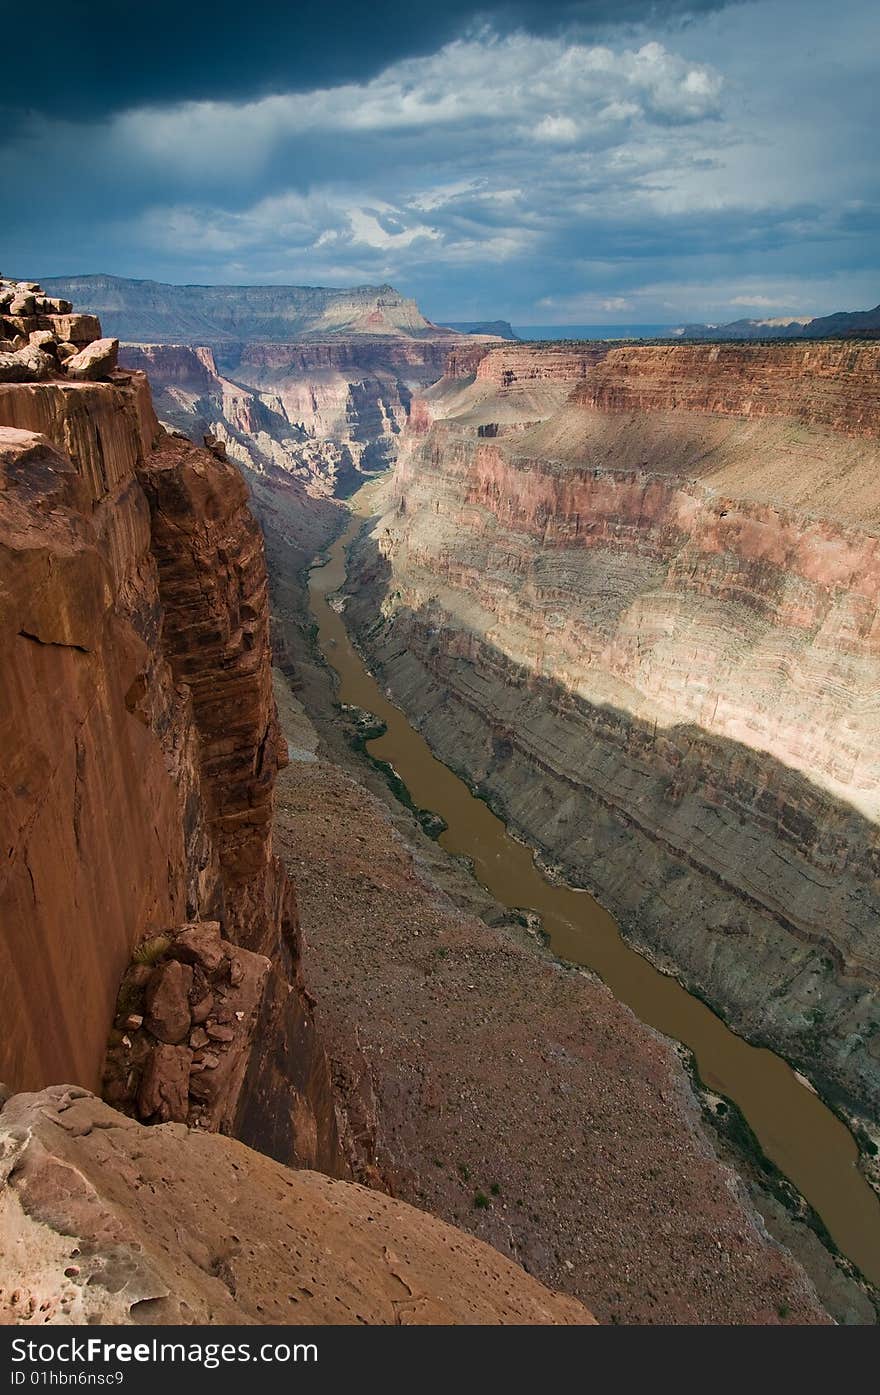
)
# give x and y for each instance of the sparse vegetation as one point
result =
(152, 950)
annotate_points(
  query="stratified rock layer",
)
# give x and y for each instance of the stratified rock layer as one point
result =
(105, 1221)
(647, 625)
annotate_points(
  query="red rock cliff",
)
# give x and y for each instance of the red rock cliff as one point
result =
(139, 747)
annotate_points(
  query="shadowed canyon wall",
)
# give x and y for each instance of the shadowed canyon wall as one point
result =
(634, 596)
(140, 746)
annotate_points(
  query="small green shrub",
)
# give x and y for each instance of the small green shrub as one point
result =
(152, 950)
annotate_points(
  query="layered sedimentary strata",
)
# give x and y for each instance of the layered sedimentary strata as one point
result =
(139, 745)
(321, 412)
(647, 625)
(101, 1223)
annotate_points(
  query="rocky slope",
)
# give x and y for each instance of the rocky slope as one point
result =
(644, 620)
(101, 1223)
(312, 382)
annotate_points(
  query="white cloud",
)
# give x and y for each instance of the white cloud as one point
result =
(621, 181)
(557, 128)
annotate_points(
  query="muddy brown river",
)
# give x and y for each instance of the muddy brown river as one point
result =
(806, 1141)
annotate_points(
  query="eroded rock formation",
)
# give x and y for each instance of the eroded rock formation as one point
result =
(644, 619)
(101, 1223)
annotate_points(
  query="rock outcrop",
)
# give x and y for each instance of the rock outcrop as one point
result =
(139, 750)
(101, 1223)
(645, 622)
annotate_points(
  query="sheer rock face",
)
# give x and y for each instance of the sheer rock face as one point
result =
(646, 621)
(213, 587)
(100, 1222)
(139, 746)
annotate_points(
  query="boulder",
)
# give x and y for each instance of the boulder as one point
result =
(66, 350)
(22, 304)
(44, 339)
(200, 944)
(164, 1090)
(167, 1001)
(96, 361)
(27, 365)
(79, 329)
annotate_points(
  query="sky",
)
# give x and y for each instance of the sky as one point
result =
(560, 162)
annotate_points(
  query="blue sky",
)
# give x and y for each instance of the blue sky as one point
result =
(547, 163)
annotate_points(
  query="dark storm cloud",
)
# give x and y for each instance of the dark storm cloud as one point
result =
(94, 62)
(551, 167)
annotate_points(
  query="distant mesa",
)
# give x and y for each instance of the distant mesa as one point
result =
(147, 312)
(846, 323)
(500, 329)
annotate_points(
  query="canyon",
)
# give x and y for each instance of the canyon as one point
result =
(633, 597)
(140, 751)
(629, 595)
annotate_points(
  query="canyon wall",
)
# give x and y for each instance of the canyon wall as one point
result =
(635, 599)
(139, 751)
(322, 413)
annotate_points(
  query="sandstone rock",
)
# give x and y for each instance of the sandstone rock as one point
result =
(43, 339)
(52, 305)
(93, 363)
(65, 350)
(164, 1089)
(200, 944)
(167, 1001)
(100, 746)
(26, 365)
(75, 328)
(198, 1039)
(22, 304)
(142, 1216)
